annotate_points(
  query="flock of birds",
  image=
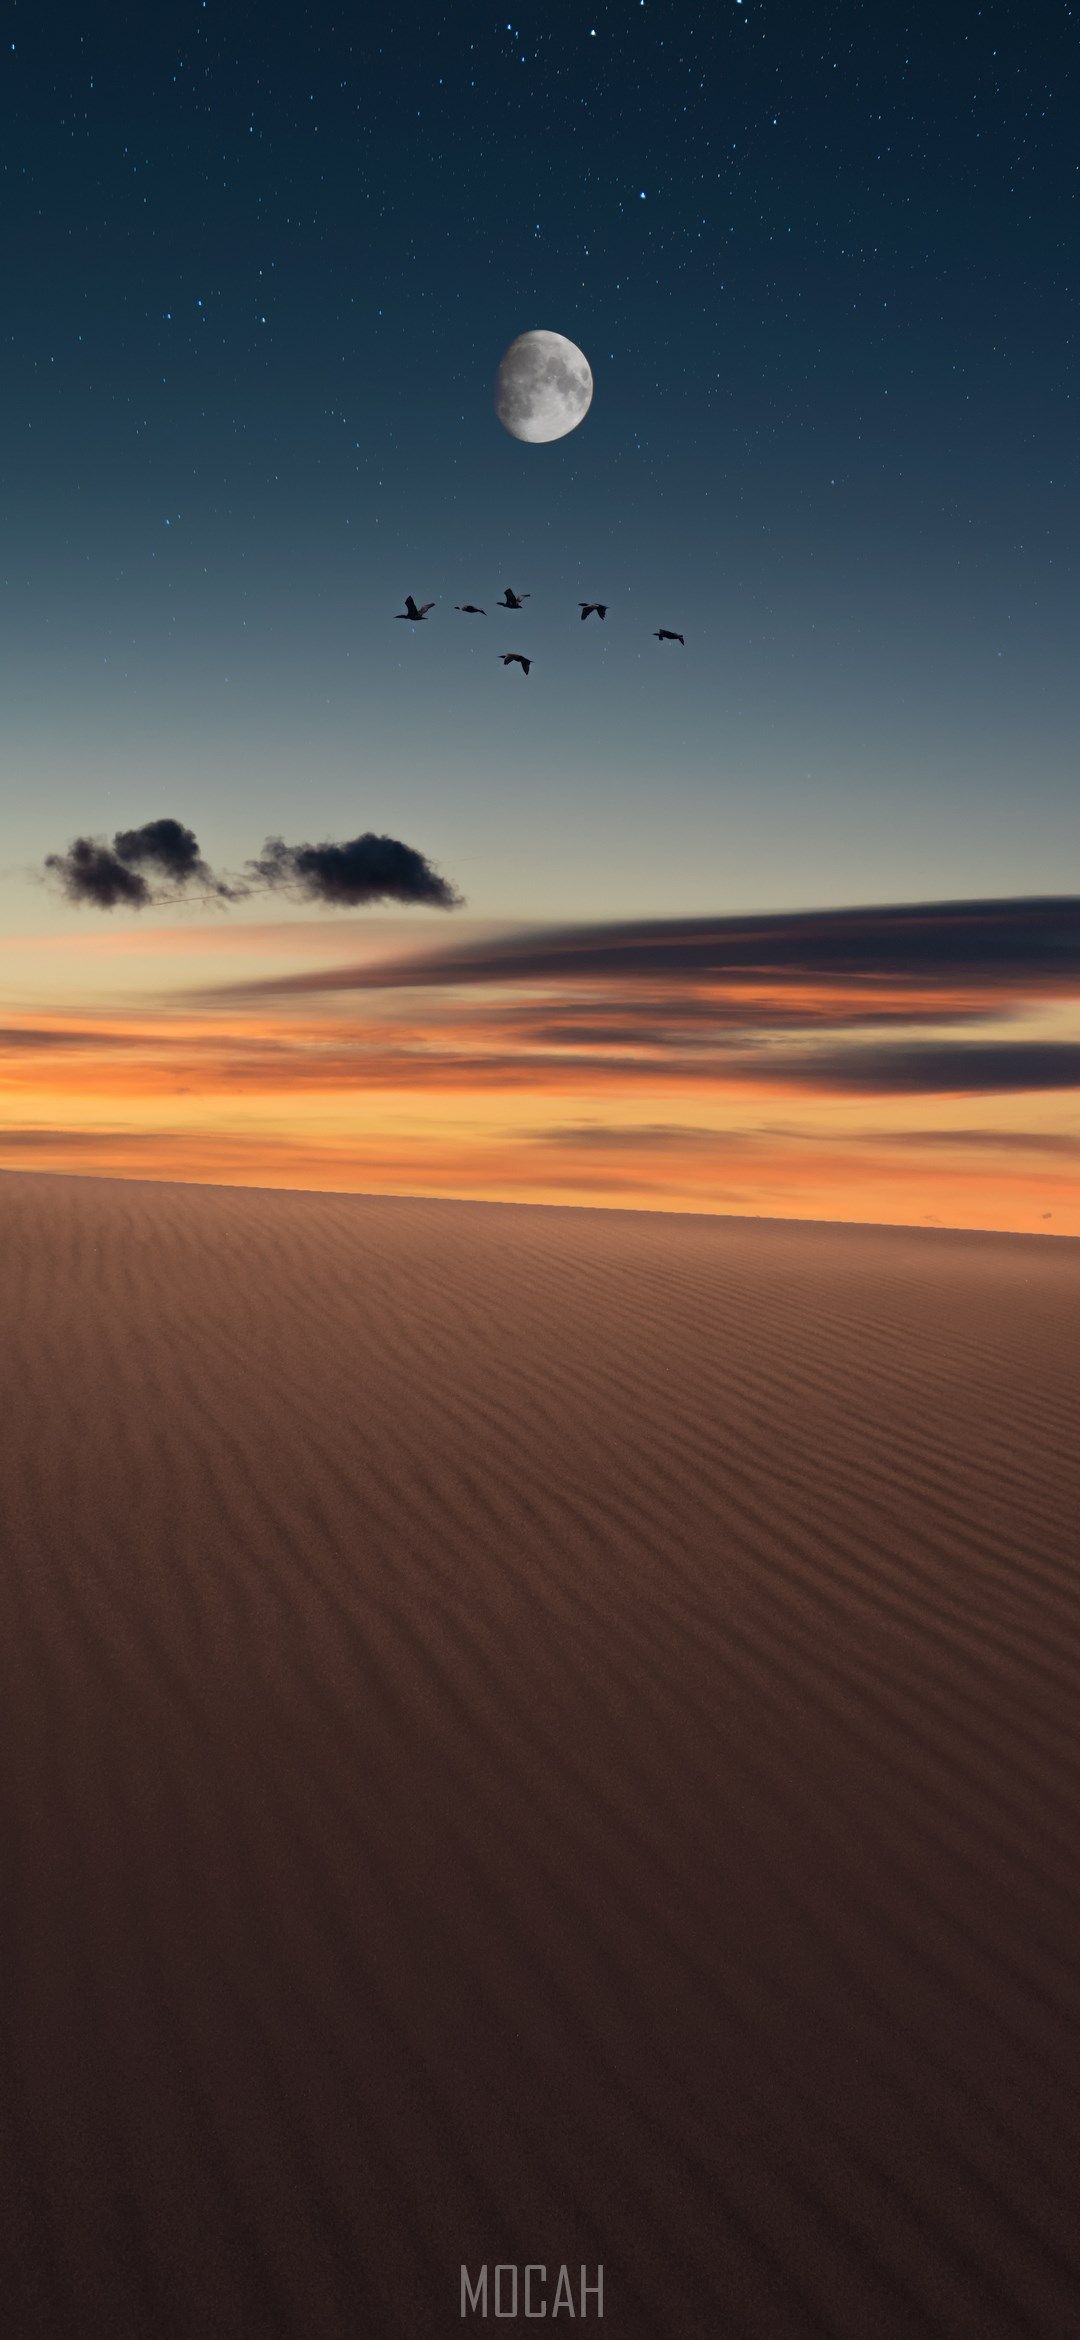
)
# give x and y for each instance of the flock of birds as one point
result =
(414, 611)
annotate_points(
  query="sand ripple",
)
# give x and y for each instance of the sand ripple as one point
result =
(534, 1735)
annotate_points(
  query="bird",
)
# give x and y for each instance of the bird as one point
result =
(514, 600)
(514, 658)
(587, 608)
(410, 610)
(469, 609)
(663, 635)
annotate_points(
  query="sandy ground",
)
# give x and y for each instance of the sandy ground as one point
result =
(534, 1735)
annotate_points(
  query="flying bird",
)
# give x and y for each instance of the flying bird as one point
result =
(663, 635)
(410, 610)
(513, 600)
(514, 658)
(587, 608)
(469, 609)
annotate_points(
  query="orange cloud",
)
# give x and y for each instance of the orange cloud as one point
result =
(925, 1062)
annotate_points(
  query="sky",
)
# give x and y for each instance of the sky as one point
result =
(259, 269)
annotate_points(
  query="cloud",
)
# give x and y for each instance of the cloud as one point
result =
(636, 1137)
(1024, 945)
(66, 1140)
(842, 1002)
(363, 869)
(113, 876)
(934, 1068)
(47, 1036)
(167, 846)
(1027, 1141)
(26, 1039)
(676, 1135)
(694, 1021)
(91, 872)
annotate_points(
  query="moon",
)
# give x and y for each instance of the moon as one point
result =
(543, 388)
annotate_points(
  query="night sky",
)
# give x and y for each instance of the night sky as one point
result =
(260, 269)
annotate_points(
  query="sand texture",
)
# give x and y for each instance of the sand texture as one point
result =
(534, 1735)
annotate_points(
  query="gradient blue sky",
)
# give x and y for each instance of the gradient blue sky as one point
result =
(260, 268)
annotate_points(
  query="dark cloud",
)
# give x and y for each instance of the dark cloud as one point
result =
(363, 869)
(1022, 946)
(977, 1068)
(171, 849)
(996, 1140)
(91, 872)
(113, 876)
(753, 1066)
(684, 1021)
(729, 1000)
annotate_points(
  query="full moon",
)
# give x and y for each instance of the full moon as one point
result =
(543, 388)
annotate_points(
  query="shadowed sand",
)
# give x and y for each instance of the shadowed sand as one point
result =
(534, 1735)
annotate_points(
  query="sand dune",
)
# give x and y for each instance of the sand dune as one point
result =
(534, 1735)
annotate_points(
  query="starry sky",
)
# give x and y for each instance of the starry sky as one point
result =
(260, 266)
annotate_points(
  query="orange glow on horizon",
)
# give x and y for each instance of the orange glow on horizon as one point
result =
(677, 1095)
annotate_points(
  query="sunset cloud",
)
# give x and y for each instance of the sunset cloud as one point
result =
(1023, 945)
(974, 1068)
(637, 1136)
(722, 1064)
(29, 1037)
(784, 1001)
(1024, 1141)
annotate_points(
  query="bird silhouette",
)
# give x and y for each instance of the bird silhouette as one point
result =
(410, 610)
(662, 635)
(587, 608)
(514, 600)
(469, 609)
(514, 658)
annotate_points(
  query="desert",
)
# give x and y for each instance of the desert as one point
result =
(534, 1736)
